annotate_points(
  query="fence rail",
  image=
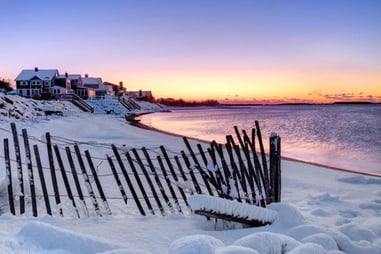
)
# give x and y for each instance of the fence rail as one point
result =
(65, 181)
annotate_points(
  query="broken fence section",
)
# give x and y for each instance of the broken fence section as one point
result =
(57, 180)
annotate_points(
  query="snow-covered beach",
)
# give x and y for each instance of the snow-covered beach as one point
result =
(322, 210)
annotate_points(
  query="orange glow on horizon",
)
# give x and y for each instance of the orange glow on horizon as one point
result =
(259, 86)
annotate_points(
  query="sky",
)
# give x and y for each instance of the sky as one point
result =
(267, 51)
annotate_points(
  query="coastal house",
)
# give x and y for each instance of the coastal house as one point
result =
(49, 83)
(116, 89)
(94, 85)
(140, 95)
(36, 82)
(72, 83)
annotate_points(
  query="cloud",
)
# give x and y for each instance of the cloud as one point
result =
(361, 96)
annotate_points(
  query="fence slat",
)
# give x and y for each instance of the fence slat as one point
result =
(220, 181)
(169, 183)
(127, 178)
(97, 182)
(197, 165)
(236, 175)
(218, 148)
(174, 175)
(182, 173)
(117, 179)
(257, 174)
(190, 169)
(148, 179)
(262, 149)
(157, 180)
(213, 180)
(244, 172)
(9, 176)
(42, 180)
(30, 172)
(65, 179)
(19, 168)
(139, 182)
(53, 172)
(75, 178)
(87, 181)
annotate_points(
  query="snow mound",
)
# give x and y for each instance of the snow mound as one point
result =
(17, 107)
(343, 242)
(359, 179)
(267, 242)
(232, 249)
(233, 208)
(356, 233)
(288, 216)
(324, 240)
(310, 248)
(126, 251)
(38, 235)
(195, 244)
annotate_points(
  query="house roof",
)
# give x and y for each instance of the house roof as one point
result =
(92, 81)
(110, 84)
(70, 76)
(41, 74)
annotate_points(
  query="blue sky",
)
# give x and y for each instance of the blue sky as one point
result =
(234, 46)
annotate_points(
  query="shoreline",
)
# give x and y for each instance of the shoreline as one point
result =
(138, 124)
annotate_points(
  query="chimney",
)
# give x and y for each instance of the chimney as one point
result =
(36, 69)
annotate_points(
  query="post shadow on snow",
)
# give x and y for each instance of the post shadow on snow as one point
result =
(149, 181)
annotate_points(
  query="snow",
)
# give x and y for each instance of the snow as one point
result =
(322, 210)
(233, 208)
(41, 74)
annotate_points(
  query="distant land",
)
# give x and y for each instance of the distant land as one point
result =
(184, 103)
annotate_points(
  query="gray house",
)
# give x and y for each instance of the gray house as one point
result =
(30, 83)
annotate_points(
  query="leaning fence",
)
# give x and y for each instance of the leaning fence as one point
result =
(46, 177)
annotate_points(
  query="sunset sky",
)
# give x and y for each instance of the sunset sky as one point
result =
(197, 49)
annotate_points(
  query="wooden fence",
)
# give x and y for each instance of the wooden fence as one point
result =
(65, 181)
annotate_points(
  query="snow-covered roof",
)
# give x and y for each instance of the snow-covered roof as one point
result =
(92, 81)
(41, 74)
(70, 76)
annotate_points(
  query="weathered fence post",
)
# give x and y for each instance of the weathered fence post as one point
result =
(157, 180)
(30, 172)
(117, 179)
(75, 178)
(97, 182)
(262, 149)
(19, 168)
(87, 181)
(127, 178)
(275, 168)
(171, 169)
(42, 180)
(149, 181)
(137, 178)
(197, 165)
(53, 172)
(169, 183)
(9, 176)
(65, 179)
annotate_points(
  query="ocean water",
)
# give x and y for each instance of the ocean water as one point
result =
(343, 136)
